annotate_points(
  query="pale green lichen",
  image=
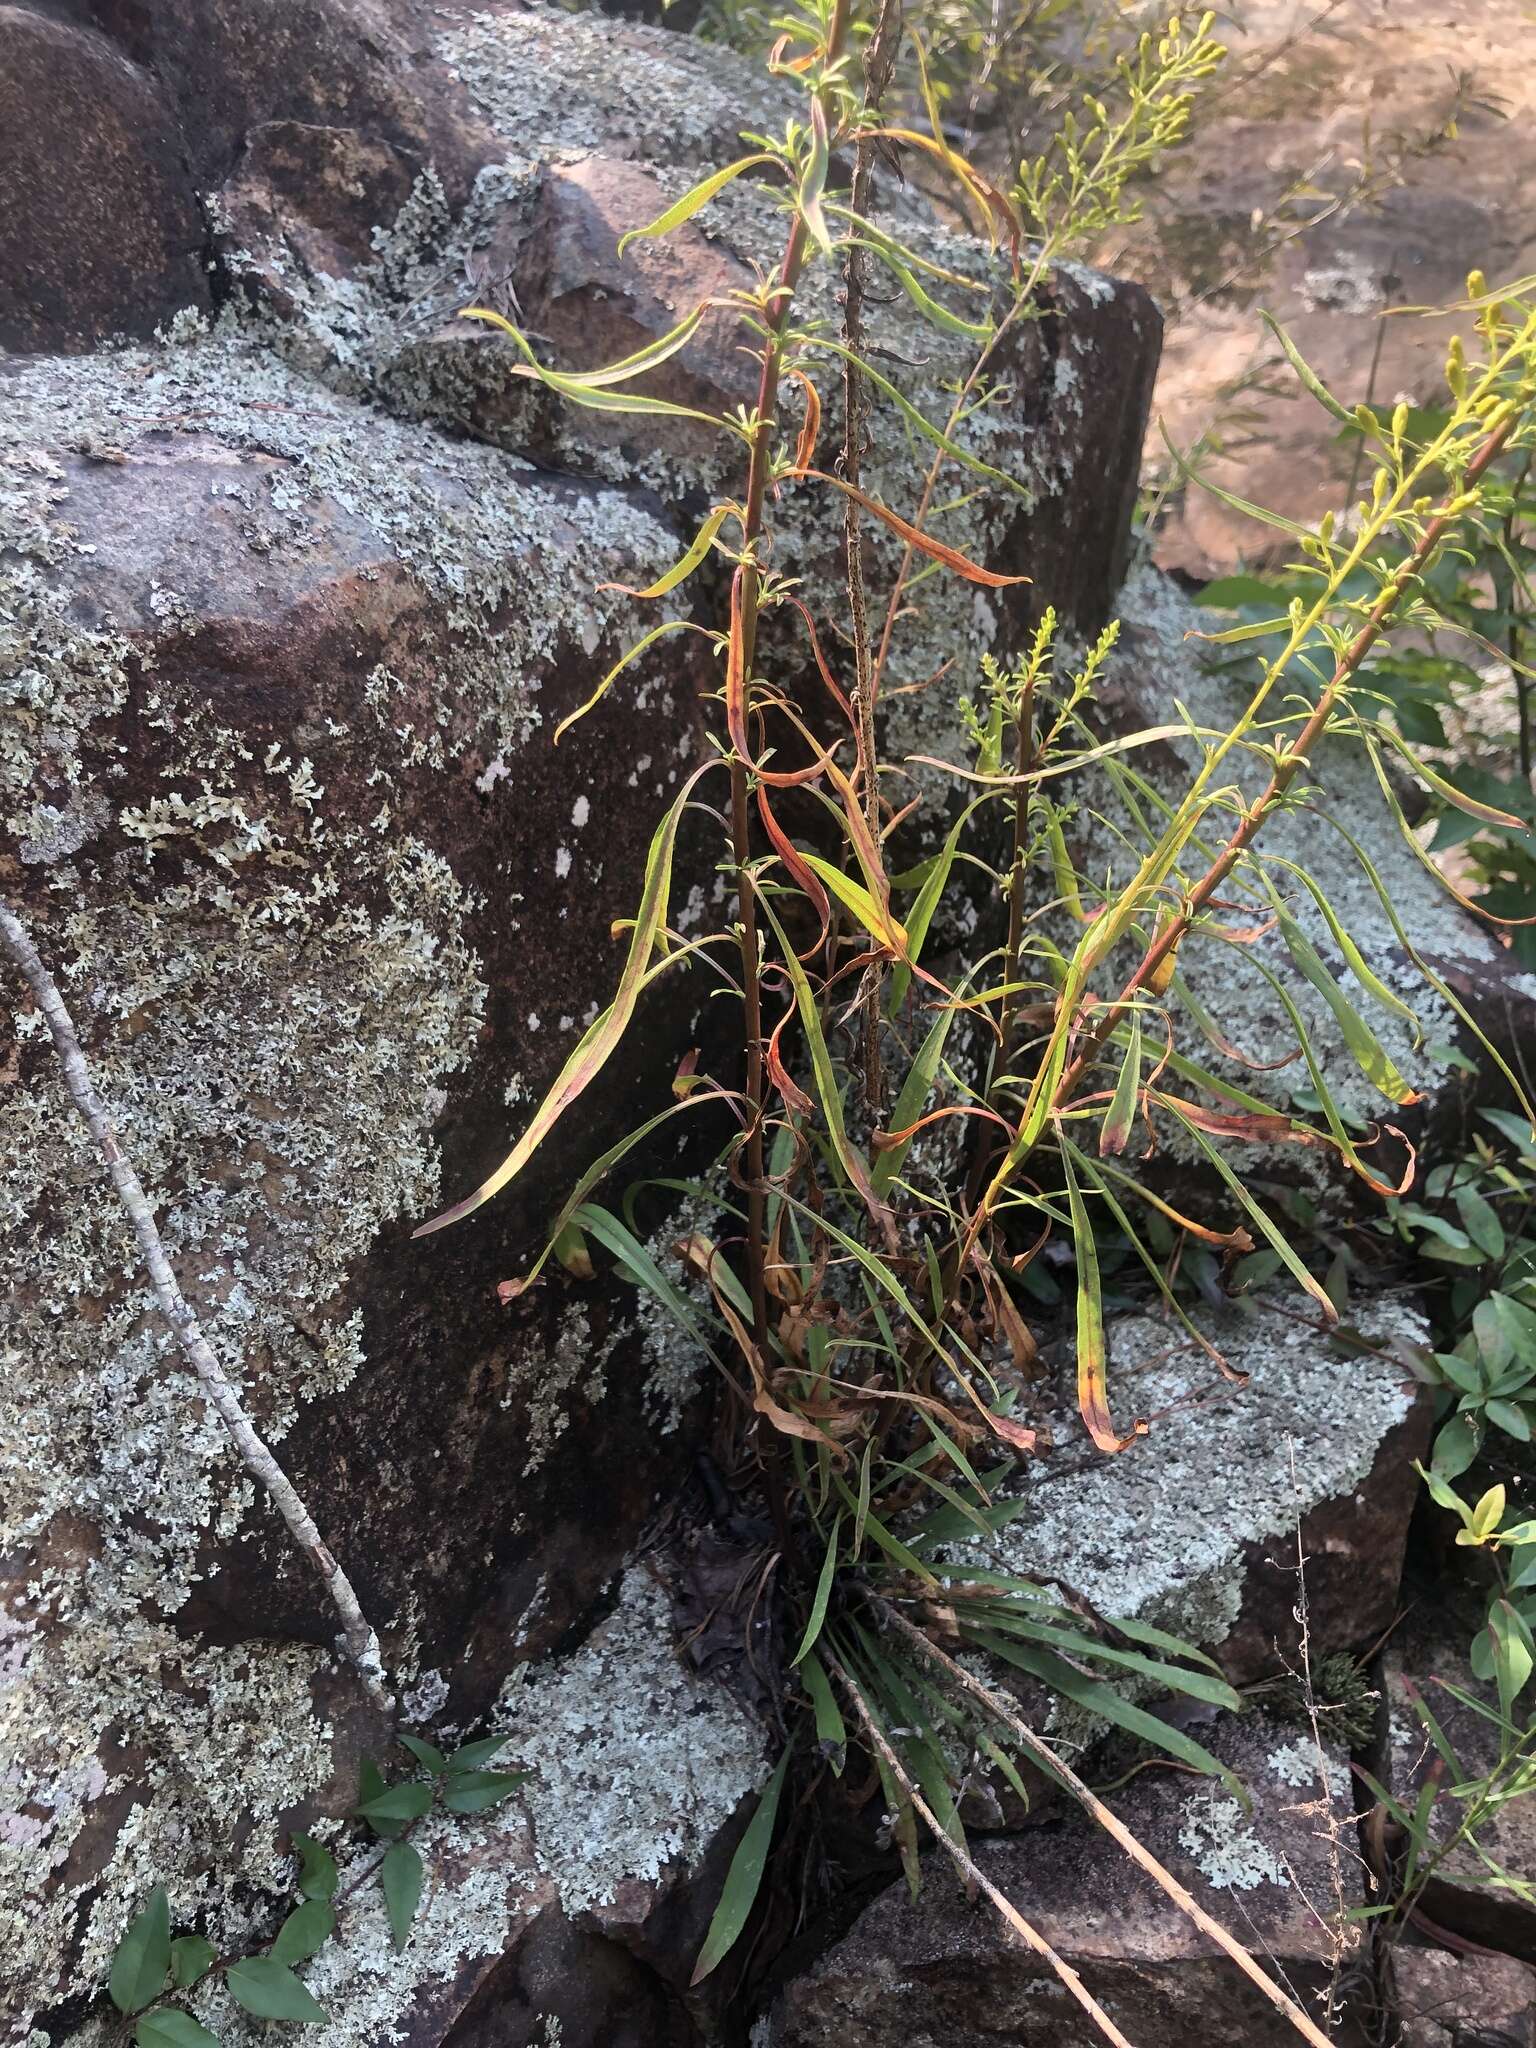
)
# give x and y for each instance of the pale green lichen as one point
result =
(1161, 1532)
(638, 1761)
(273, 993)
(1221, 1839)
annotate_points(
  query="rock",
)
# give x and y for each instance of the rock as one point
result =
(1425, 1658)
(1401, 210)
(280, 807)
(1451, 2001)
(1194, 1528)
(941, 1971)
(637, 1768)
(86, 257)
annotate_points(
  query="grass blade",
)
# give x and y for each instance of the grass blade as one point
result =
(744, 1878)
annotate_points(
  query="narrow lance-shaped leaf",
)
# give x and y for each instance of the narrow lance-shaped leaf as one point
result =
(680, 571)
(830, 1731)
(592, 388)
(602, 1037)
(813, 181)
(1307, 375)
(822, 1594)
(828, 1092)
(920, 422)
(1369, 1053)
(696, 197)
(1268, 1228)
(744, 1878)
(630, 655)
(925, 543)
(1092, 1346)
(915, 1090)
(643, 359)
(1115, 1131)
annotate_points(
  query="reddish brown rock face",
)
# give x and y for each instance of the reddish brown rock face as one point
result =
(100, 229)
(943, 1970)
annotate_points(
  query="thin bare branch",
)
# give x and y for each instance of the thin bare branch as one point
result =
(1010, 1915)
(1139, 1854)
(357, 1641)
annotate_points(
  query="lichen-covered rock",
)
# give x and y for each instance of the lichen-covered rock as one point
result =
(529, 1913)
(280, 806)
(941, 1973)
(1462, 2001)
(1195, 1527)
(116, 252)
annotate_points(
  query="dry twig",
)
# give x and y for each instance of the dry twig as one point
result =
(1139, 1854)
(357, 1641)
(1011, 1917)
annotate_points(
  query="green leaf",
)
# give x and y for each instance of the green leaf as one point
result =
(191, 1959)
(631, 655)
(476, 1791)
(396, 1805)
(1103, 1700)
(830, 1731)
(696, 197)
(602, 1037)
(1092, 1346)
(142, 1959)
(920, 422)
(636, 1263)
(318, 1875)
(270, 1991)
(1370, 1055)
(1307, 375)
(1455, 1448)
(1481, 1220)
(744, 1878)
(401, 1875)
(306, 1930)
(474, 1756)
(818, 1613)
(1509, 1417)
(912, 1101)
(829, 1094)
(169, 2027)
(425, 1753)
(1270, 1229)
(1443, 1494)
(1115, 1131)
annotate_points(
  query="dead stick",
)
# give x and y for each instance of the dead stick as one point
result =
(1010, 1915)
(357, 1641)
(1138, 1853)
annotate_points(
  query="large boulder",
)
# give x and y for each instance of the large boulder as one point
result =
(1281, 1878)
(116, 250)
(1196, 1527)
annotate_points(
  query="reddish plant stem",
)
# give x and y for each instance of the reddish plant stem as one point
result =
(759, 465)
(878, 65)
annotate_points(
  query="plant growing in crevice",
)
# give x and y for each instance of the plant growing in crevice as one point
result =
(861, 1292)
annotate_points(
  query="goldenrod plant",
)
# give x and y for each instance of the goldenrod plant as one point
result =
(863, 1297)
